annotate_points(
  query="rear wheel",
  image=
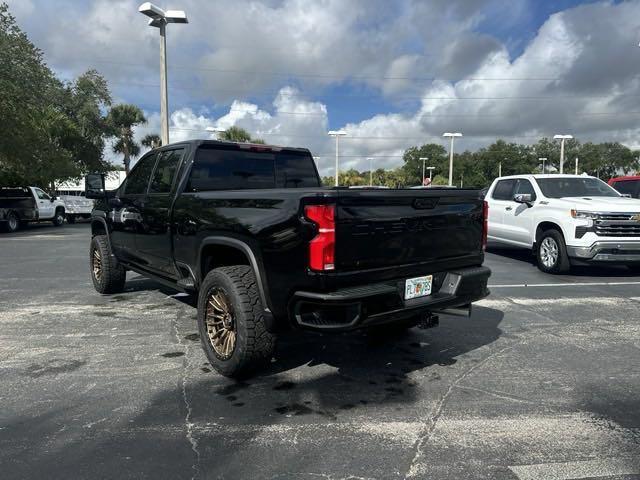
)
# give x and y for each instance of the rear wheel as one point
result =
(13, 223)
(551, 252)
(107, 274)
(231, 322)
(58, 219)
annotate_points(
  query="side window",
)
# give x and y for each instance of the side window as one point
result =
(628, 187)
(41, 195)
(165, 171)
(524, 186)
(138, 179)
(503, 190)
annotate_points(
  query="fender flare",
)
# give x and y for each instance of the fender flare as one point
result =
(253, 261)
(101, 220)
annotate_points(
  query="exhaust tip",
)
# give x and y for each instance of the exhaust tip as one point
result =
(463, 311)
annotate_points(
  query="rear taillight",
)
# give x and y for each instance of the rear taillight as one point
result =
(322, 247)
(485, 224)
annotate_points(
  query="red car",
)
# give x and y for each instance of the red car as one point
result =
(627, 185)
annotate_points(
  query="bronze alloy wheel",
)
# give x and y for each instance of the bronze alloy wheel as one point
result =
(220, 324)
(96, 264)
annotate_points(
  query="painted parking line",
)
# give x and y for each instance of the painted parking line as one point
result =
(577, 284)
(606, 467)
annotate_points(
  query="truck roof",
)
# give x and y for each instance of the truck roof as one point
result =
(257, 146)
(543, 175)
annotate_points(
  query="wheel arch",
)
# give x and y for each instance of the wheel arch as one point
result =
(224, 251)
(99, 227)
(548, 225)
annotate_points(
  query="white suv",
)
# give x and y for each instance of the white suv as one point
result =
(566, 220)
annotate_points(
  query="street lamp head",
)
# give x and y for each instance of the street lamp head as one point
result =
(561, 137)
(337, 133)
(431, 168)
(541, 159)
(151, 10)
(424, 158)
(448, 134)
(159, 17)
(176, 16)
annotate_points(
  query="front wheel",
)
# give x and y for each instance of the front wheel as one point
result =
(231, 322)
(58, 219)
(107, 274)
(551, 252)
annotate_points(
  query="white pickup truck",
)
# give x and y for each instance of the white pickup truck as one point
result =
(565, 220)
(20, 205)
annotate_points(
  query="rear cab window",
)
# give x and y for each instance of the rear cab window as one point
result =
(237, 168)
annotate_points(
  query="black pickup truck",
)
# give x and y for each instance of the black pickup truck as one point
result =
(267, 247)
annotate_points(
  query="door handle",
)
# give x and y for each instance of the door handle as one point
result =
(509, 209)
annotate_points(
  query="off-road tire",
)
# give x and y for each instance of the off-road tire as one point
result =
(561, 264)
(12, 224)
(113, 275)
(71, 219)
(58, 218)
(254, 345)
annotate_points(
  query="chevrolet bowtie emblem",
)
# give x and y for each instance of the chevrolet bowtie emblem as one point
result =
(636, 217)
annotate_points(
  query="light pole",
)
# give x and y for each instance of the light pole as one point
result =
(160, 18)
(562, 138)
(370, 171)
(577, 165)
(337, 134)
(543, 160)
(431, 169)
(499, 169)
(452, 136)
(424, 159)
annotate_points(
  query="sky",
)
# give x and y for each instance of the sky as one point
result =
(391, 73)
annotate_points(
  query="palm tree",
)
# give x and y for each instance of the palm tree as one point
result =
(151, 140)
(239, 135)
(121, 120)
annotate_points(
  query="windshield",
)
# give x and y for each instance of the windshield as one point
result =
(559, 187)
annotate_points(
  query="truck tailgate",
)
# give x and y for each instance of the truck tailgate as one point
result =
(387, 228)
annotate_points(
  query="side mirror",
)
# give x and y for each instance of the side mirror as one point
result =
(94, 186)
(523, 198)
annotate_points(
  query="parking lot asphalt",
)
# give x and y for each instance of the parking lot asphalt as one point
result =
(542, 382)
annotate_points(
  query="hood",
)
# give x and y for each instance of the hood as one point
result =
(604, 204)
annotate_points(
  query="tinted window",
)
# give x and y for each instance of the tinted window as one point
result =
(14, 192)
(559, 187)
(41, 195)
(628, 187)
(235, 169)
(503, 190)
(137, 181)
(524, 186)
(165, 171)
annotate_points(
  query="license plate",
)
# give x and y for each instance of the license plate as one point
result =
(417, 287)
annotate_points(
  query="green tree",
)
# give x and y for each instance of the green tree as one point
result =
(412, 166)
(151, 140)
(239, 135)
(121, 120)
